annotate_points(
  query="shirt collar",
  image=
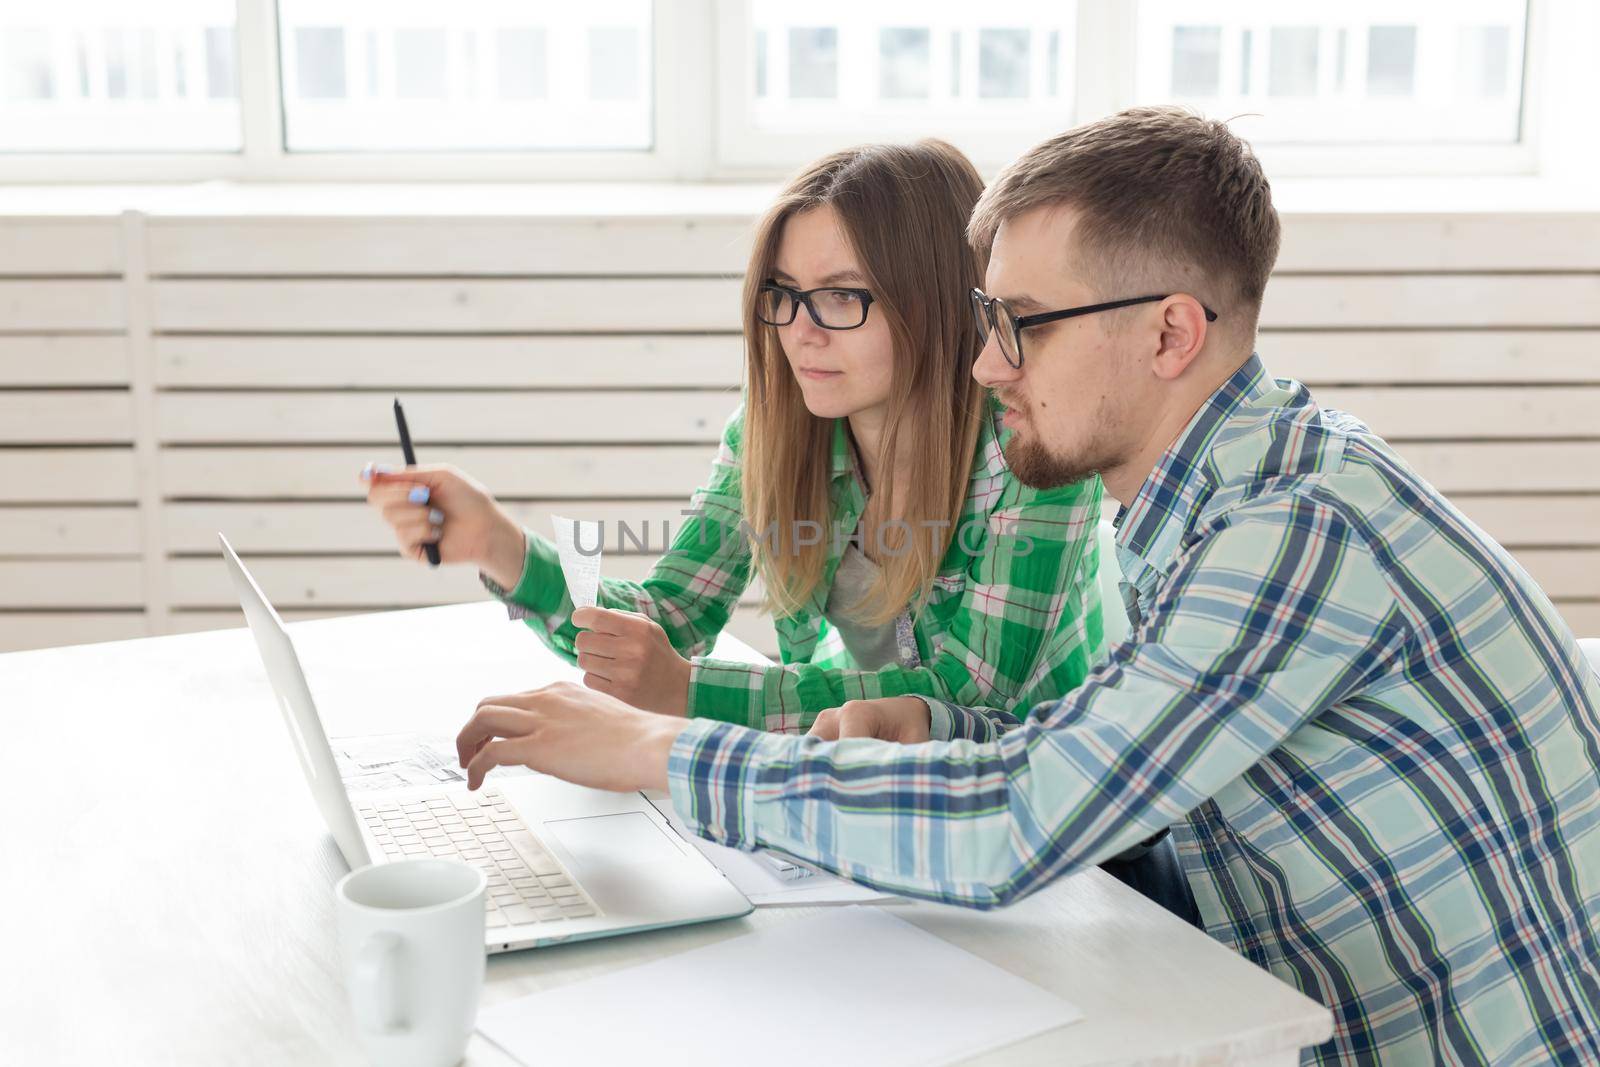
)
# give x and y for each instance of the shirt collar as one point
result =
(989, 460)
(844, 453)
(1150, 530)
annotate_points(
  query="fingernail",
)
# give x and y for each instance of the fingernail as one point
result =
(366, 473)
(418, 494)
(436, 516)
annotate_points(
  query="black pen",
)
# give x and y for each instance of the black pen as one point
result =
(411, 461)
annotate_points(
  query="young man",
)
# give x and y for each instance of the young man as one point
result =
(1376, 744)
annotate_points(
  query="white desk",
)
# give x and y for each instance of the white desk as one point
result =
(165, 887)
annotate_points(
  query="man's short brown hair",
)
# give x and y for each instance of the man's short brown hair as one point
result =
(1164, 197)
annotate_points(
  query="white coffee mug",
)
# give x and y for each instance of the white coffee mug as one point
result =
(411, 940)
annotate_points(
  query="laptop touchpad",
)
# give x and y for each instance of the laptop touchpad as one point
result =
(622, 860)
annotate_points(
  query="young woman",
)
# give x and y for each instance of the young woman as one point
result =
(863, 481)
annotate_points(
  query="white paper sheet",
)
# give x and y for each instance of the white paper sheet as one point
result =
(769, 880)
(849, 986)
(582, 570)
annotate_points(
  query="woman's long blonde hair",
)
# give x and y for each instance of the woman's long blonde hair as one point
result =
(904, 210)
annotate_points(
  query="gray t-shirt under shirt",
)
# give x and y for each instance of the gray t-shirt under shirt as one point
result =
(872, 647)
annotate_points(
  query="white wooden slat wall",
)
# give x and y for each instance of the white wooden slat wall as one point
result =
(584, 365)
(70, 568)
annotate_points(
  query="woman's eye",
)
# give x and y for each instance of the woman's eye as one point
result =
(841, 298)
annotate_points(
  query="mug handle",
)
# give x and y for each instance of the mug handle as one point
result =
(377, 984)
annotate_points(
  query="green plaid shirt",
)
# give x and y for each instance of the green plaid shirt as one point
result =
(1013, 616)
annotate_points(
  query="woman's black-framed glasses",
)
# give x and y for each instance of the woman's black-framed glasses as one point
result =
(995, 315)
(831, 309)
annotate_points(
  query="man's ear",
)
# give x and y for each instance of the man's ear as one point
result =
(1183, 334)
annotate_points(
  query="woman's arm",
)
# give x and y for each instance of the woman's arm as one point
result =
(1027, 629)
(691, 590)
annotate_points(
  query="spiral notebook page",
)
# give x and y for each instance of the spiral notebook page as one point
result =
(850, 986)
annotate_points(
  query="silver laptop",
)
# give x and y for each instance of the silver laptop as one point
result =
(564, 863)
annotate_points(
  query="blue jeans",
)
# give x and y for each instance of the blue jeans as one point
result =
(1157, 874)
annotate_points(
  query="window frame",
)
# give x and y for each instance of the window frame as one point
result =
(701, 55)
(680, 36)
(745, 150)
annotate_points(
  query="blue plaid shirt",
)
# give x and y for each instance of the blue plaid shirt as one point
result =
(1376, 742)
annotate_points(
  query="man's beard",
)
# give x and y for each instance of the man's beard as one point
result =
(1036, 468)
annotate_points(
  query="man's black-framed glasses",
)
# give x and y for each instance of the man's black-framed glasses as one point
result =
(832, 309)
(995, 315)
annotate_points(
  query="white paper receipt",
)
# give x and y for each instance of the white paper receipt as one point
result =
(579, 543)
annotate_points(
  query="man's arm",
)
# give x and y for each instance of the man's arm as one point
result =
(1262, 624)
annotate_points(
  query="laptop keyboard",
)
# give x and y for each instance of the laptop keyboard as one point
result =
(526, 883)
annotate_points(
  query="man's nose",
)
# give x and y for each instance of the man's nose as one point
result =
(990, 368)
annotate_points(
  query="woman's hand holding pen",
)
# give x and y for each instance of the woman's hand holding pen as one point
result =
(443, 506)
(629, 656)
(622, 653)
